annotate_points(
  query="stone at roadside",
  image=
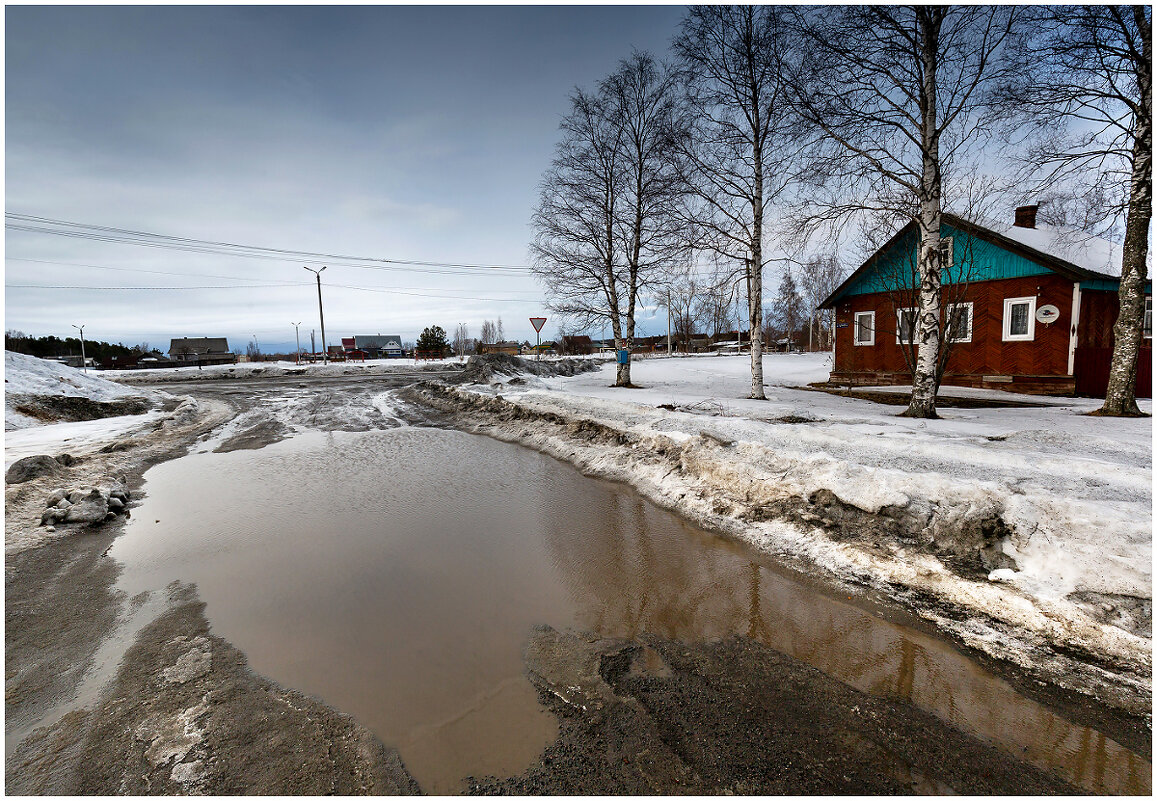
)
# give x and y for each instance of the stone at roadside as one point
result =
(89, 508)
(31, 467)
(56, 496)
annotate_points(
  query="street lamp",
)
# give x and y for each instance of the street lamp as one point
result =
(739, 313)
(321, 313)
(83, 360)
(297, 334)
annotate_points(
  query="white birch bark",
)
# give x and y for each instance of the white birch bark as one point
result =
(924, 384)
(1121, 395)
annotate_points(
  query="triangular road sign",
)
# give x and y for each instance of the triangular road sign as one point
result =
(538, 322)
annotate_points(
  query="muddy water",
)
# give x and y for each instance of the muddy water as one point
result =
(397, 575)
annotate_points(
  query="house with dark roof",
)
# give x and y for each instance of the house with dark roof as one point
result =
(577, 345)
(201, 350)
(1030, 308)
(376, 346)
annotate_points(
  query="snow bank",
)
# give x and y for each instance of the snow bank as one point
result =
(28, 377)
(244, 370)
(1076, 491)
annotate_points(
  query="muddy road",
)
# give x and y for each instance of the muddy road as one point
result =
(652, 659)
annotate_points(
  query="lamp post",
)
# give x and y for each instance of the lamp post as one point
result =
(297, 334)
(83, 360)
(739, 318)
(321, 313)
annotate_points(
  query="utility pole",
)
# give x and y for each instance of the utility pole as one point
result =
(739, 314)
(668, 321)
(321, 313)
(312, 343)
(297, 334)
(83, 360)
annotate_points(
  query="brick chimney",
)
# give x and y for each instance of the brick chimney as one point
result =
(1025, 217)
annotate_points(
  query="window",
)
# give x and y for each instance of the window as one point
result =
(1019, 319)
(946, 244)
(1147, 327)
(865, 330)
(960, 322)
(905, 326)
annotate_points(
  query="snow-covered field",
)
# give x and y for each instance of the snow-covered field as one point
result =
(1075, 491)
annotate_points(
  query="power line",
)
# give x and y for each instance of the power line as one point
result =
(157, 288)
(67, 228)
(534, 301)
(210, 275)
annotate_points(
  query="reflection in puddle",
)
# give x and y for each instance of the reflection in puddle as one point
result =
(396, 575)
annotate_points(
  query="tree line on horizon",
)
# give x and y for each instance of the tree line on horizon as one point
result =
(773, 134)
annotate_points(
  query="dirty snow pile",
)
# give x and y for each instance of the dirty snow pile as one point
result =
(1072, 493)
(28, 377)
(245, 370)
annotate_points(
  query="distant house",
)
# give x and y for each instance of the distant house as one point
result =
(729, 342)
(1032, 310)
(545, 348)
(577, 345)
(201, 350)
(376, 346)
(509, 348)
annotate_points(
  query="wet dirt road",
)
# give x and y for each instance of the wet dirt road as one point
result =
(405, 590)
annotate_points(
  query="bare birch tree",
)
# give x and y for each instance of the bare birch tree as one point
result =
(1085, 83)
(732, 59)
(819, 278)
(489, 333)
(605, 225)
(897, 93)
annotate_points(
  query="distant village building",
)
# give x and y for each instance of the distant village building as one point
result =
(200, 351)
(375, 346)
(1032, 310)
(577, 345)
(510, 348)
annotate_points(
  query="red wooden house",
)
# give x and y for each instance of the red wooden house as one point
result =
(1030, 307)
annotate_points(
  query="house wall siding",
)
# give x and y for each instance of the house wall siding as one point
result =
(1044, 360)
(967, 251)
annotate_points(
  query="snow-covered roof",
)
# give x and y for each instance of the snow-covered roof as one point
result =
(1079, 248)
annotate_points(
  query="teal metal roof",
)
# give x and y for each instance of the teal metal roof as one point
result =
(973, 259)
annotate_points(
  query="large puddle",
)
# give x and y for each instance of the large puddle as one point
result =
(397, 575)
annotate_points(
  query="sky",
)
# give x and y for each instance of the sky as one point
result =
(385, 133)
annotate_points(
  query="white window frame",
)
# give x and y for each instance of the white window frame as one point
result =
(1147, 319)
(1006, 335)
(947, 245)
(871, 315)
(951, 307)
(899, 325)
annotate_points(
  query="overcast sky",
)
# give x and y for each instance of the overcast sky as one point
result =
(393, 133)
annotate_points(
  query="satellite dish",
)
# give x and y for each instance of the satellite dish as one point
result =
(1047, 314)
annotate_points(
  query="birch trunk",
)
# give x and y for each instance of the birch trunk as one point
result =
(929, 259)
(1121, 395)
(755, 267)
(755, 327)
